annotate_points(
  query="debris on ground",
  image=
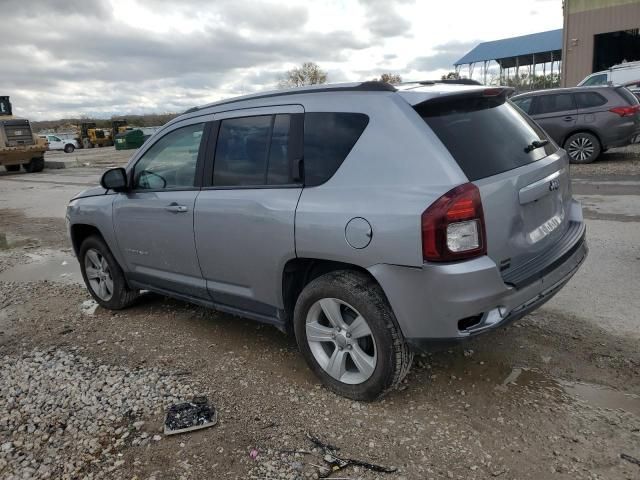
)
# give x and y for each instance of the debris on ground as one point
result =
(189, 416)
(338, 463)
(629, 458)
(88, 307)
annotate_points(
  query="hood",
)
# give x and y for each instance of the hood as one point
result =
(90, 192)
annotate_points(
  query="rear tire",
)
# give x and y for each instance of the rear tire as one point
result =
(35, 165)
(103, 276)
(582, 147)
(68, 148)
(12, 168)
(370, 347)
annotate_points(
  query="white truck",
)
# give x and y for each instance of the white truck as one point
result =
(621, 74)
(59, 142)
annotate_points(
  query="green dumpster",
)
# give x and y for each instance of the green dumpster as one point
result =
(129, 139)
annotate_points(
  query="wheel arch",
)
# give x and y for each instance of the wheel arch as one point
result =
(79, 232)
(583, 130)
(299, 272)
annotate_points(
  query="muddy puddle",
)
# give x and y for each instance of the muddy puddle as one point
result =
(594, 395)
(50, 265)
(603, 397)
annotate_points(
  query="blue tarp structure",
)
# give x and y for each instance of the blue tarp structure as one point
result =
(507, 50)
(533, 49)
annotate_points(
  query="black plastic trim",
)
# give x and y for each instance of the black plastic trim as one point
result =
(548, 261)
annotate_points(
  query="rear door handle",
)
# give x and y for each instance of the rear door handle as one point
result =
(568, 119)
(175, 208)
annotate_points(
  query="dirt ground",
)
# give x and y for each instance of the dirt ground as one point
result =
(556, 395)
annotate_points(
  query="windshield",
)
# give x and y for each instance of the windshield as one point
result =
(486, 135)
(599, 79)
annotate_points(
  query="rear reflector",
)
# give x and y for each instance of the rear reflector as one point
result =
(453, 226)
(626, 111)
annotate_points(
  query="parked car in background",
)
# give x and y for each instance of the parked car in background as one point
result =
(58, 143)
(616, 75)
(366, 219)
(585, 121)
(634, 87)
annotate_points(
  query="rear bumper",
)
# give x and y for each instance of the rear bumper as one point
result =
(625, 134)
(451, 302)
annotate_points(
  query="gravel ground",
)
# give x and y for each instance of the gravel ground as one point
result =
(66, 417)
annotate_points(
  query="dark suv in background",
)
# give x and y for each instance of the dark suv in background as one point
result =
(585, 121)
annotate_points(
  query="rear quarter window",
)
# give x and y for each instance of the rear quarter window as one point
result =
(486, 136)
(328, 139)
(589, 99)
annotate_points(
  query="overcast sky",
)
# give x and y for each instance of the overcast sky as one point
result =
(61, 58)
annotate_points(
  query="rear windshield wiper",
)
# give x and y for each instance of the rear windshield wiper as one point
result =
(535, 144)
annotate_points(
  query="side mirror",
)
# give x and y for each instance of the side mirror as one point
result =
(114, 179)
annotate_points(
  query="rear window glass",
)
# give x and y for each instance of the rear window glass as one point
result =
(589, 99)
(328, 139)
(627, 95)
(554, 103)
(486, 136)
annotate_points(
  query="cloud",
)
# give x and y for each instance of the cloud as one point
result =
(383, 20)
(65, 65)
(444, 56)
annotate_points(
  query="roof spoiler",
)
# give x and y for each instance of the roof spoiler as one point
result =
(497, 93)
(446, 81)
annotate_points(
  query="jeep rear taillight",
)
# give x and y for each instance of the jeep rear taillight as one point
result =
(453, 226)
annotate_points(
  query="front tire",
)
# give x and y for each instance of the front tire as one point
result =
(582, 147)
(68, 148)
(348, 335)
(103, 276)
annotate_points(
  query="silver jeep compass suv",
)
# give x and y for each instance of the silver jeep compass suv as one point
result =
(369, 220)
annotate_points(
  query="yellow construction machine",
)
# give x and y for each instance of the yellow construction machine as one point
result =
(18, 145)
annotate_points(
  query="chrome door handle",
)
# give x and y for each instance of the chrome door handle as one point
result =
(175, 208)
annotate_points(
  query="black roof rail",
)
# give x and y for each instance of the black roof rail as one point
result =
(370, 86)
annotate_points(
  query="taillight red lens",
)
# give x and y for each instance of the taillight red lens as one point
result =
(458, 207)
(626, 111)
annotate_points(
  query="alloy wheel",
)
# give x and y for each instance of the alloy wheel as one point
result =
(581, 149)
(98, 274)
(341, 341)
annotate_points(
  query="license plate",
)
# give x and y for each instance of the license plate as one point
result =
(18, 132)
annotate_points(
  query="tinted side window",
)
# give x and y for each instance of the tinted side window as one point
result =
(554, 103)
(589, 99)
(171, 161)
(328, 139)
(278, 171)
(524, 104)
(241, 151)
(253, 151)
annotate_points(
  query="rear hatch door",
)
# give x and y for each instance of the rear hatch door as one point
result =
(523, 177)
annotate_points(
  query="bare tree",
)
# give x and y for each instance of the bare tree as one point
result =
(309, 73)
(451, 76)
(391, 78)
